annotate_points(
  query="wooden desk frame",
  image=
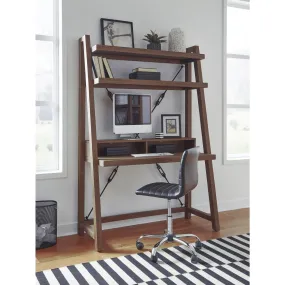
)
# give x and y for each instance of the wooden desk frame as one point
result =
(86, 101)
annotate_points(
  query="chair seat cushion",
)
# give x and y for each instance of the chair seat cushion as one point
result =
(160, 190)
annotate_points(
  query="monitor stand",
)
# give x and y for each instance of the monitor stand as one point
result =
(130, 137)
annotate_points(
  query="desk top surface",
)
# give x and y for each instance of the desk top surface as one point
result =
(130, 160)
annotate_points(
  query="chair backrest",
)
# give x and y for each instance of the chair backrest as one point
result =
(188, 173)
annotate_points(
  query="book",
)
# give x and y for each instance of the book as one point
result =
(97, 67)
(145, 69)
(101, 67)
(94, 69)
(107, 68)
(145, 75)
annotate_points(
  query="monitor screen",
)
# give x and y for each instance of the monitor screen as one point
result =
(132, 109)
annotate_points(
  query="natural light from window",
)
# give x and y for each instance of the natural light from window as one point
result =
(237, 80)
(47, 145)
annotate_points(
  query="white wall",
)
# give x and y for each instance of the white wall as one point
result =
(202, 23)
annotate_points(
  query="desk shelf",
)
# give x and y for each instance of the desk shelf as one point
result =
(142, 146)
(121, 83)
(137, 147)
(145, 55)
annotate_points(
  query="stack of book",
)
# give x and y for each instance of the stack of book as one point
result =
(101, 67)
(145, 74)
(159, 135)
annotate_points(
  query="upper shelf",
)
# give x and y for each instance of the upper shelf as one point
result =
(146, 84)
(146, 55)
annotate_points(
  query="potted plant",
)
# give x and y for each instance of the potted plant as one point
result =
(154, 40)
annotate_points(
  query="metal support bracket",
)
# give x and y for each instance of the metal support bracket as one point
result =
(161, 97)
(110, 178)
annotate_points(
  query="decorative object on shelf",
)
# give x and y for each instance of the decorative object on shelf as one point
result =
(159, 135)
(145, 69)
(171, 125)
(176, 41)
(117, 33)
(154, 40)
(145, 75)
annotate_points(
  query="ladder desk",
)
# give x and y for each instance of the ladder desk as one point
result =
(92, 151)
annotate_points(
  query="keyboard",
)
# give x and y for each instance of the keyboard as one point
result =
(151, 154)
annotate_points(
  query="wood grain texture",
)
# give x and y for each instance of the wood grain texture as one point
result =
(81, 139)
(206, 145)
(188, 126)
(167, 140)
(188, 102)
(121, 83)
(200, 214)
(136, 215)
(147, 55)
(93, 144)
(130, 160)
(95, 149)
(76, 249)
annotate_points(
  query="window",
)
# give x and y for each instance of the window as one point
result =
(48, 104)
(236, 78)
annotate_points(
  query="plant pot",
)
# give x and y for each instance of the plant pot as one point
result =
(154, 46)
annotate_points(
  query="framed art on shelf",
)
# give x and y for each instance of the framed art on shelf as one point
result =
(117, 33)
(171, 125)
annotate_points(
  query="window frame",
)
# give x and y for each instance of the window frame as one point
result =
(245, 158)
(59, 89)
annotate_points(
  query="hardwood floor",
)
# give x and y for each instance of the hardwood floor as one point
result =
(121, 241)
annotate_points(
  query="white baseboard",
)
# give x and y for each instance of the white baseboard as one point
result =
(233, 204)
(71, 229)
(66, 229)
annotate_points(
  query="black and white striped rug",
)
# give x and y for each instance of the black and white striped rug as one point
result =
(221, 261)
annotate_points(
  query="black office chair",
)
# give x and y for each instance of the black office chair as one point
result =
(188, 180)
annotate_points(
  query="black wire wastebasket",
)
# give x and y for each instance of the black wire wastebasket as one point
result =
(46, 223)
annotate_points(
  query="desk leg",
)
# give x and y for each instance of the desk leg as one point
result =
(97, 223)
(206, 144)
(188, 124)
(92, 143)
(212, 195)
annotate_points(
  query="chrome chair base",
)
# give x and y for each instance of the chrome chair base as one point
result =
(171, 238)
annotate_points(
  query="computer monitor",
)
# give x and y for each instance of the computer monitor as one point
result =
(131, 113)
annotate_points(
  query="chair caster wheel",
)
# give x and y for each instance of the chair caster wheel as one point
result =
(194, 259)
(139, 245)
(198, 245)
(153, 258)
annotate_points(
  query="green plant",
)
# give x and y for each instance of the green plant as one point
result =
(154, 38)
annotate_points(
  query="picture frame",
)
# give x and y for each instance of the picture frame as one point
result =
(171, 125)
(117, 33)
